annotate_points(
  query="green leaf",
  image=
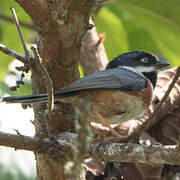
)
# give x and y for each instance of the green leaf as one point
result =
(135, 32)
(159, 20)
(81, 72)
(115, 36)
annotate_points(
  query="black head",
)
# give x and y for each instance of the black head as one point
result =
(140, 61)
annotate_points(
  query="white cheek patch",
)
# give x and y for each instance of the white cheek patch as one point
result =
(144, 69)
(139, 68)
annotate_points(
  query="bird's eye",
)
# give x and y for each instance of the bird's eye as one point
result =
(144, 60)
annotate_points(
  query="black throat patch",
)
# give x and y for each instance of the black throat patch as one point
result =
(152, 76)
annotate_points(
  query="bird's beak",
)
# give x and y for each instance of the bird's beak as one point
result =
(162, 65)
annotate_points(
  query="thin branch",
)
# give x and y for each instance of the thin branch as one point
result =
(24, 24)
(106, 151)
(49, 83)
(12, 53)
(20, 33)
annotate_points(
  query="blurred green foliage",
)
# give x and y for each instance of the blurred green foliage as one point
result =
(9, 37)
(128, 25)
(115, 34)
(145, 25)
(7, 174)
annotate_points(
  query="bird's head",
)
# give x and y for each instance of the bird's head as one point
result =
(139, 61)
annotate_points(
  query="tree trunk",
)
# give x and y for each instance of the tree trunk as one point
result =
(60, 26)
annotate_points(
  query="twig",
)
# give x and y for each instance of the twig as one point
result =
(152, 118)
(48, 80)
(12, 53)
(27, 55)
(49, 85)
(24, 24)
(28, 58)
(18, 83)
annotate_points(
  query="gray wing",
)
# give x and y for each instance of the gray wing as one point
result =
(117, 78)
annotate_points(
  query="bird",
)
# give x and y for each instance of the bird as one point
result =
(121, 92)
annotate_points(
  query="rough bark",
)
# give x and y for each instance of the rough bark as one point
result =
(61, 26)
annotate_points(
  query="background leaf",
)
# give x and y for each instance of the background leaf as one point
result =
(115, 35)
(149, 25)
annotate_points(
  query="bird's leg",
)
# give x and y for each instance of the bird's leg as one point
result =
(114, 133)
(98, 132)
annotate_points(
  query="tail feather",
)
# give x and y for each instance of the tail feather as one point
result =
(37, 98)
(26, 99)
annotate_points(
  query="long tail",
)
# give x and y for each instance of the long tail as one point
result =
(26, 99)
(37, 98)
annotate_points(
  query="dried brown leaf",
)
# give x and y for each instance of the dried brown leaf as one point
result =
(167, 129)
